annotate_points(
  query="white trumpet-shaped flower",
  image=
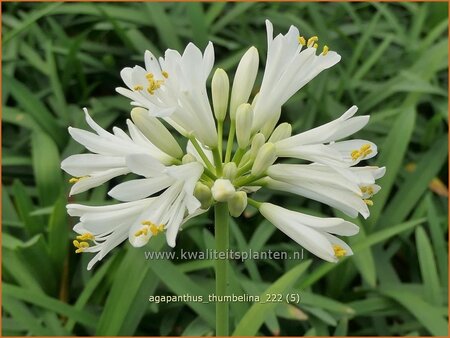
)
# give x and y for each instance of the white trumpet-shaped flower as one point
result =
(324, 184)
(107, 159)
(175, 185)
(291, 63)
(102, 228)
(174, 87)
(315, 234)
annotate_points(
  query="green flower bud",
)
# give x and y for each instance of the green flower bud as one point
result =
(264, 159)
(220, 88)
(237, 203)
(281, 132)
(203, 193)
(188, 158)
(230, 171)
(257, 143)
(244, 119)
(244, 80)
(156, 132)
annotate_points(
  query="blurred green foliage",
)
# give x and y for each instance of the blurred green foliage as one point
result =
(60, 57)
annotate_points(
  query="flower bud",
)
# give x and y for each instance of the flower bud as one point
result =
(281, 132)
(188, 158)
(230, 171)
(222, 190)
(203, 193)
(237, 203)
(244, 80)
(257, 143)
(264, 159)
(156, 132)
(244, 118)
(220, 88)
(268, 127)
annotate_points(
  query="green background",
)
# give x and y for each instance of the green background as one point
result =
(58, 58)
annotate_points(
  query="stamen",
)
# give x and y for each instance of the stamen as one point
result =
(301, 40)
(312, 40)
(165, 74)
(77, 179)
(368, 202)
(138, 88)
(325, 50)
(81, 246)
(339, 251)
(315, 46)
(86, 237)
(367, 190)
(149, 226)
(362, 153)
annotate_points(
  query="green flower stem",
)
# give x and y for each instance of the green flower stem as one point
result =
(217, 161)
(222, 235)
(246, 167)
(220, 138)
(254, 203)
(230, 141)
(202, 154)
(238, 155)
(248, 179)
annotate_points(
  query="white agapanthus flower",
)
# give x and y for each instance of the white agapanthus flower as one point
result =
(176, 185)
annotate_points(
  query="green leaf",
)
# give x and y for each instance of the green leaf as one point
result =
(24, 316)
(130, 280)
(58, 234)
(253, 319)
(181, 284)
(46, 160)
(416, 183)
(33, 17)
(425, 313)
(33, 106)
(428, 268)
(46, 302)
(391, 156)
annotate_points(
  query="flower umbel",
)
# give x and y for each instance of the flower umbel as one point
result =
(176, 185)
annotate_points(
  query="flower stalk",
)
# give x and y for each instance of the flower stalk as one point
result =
(222, 235)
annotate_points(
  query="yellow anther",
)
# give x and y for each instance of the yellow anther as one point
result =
(325, 50)
(367, 190)
(301, 40)
(165, 74)
(312, 41)
(365, 147)
(149, 76)
(368, 202)
(86, 237)
(365, 150)
(339, 251)
(76, 179)
(149, 226)
(315, 46)
(143, 231)
(80, 246)
(138, 88)
(156, 229)
(355, 154)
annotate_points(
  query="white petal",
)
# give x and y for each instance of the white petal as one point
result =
(85, 164)
(96, 179)
(308, 238)
(144, 165)
(141, 188)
